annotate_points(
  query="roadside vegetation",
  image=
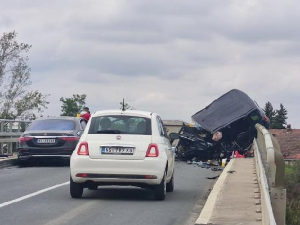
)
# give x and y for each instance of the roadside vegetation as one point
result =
(72, 106)
(292, 181)
(277, 117)
(16, 96)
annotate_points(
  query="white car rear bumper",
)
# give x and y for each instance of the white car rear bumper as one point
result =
(117, 171)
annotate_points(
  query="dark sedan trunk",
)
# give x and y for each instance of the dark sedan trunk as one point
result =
(50, 144)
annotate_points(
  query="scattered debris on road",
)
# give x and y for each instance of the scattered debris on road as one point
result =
(216, 169)
(212, 177)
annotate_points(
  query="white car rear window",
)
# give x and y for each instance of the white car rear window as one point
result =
(120, 124)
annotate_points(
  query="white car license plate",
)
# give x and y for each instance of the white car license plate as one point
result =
(117, 150)
(46, 141)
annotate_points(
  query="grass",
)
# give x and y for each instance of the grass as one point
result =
(289, 169)
(292, 183)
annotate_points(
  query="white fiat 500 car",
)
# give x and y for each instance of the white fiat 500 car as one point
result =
(123, 148)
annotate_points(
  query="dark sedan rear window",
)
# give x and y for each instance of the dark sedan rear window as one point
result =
(52, 124)
(120, 124)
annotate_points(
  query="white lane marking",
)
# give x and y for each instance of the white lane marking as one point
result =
(33, 194)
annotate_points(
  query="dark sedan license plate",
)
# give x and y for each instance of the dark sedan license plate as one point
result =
(45, 141)
(117, 150)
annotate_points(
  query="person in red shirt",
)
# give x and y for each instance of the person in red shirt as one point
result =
(86, 115)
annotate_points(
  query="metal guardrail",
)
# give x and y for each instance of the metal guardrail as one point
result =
(10, 131)
(270, 166)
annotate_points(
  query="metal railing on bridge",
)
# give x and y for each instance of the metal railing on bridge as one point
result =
(270, 169)
(10, 131)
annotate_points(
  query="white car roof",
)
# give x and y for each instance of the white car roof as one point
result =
(126, 112)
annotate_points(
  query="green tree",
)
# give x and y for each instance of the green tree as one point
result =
(270, 112)
(72, 106)
(15, 98)
(280, 118)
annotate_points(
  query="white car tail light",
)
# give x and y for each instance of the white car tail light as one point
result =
(152, 150)
(83, 148)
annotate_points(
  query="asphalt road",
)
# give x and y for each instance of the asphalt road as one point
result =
(39, 195)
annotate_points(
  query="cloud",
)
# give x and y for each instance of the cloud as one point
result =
(172, 57)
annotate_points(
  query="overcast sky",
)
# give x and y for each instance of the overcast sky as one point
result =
(171, 57)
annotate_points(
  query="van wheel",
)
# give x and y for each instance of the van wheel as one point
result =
(160, 190)
(170, 184)
(76, 189)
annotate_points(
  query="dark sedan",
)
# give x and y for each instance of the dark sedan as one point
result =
(54, 137)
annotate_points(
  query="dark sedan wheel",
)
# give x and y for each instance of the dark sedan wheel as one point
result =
(22, 163)
(76, 189)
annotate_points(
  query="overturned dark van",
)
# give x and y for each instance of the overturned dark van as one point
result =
(224, 126)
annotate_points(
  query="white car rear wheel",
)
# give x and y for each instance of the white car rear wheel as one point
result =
(170, 184)
(76, 189)
(160, 190)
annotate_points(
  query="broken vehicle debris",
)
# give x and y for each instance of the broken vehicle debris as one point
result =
(193, 143)
(225, 126)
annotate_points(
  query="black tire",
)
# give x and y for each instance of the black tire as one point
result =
(170, 184)
(160, 190)
(76, 189)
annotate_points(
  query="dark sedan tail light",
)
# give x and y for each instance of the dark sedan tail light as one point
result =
(25, 139)
(69, 139)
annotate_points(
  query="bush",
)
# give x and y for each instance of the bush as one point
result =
(292, 182)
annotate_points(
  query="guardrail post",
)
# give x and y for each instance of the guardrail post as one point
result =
(278, 200)
(10, 126)
(1, 149)
(10, 149)
(19, 127)
(1, 145)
